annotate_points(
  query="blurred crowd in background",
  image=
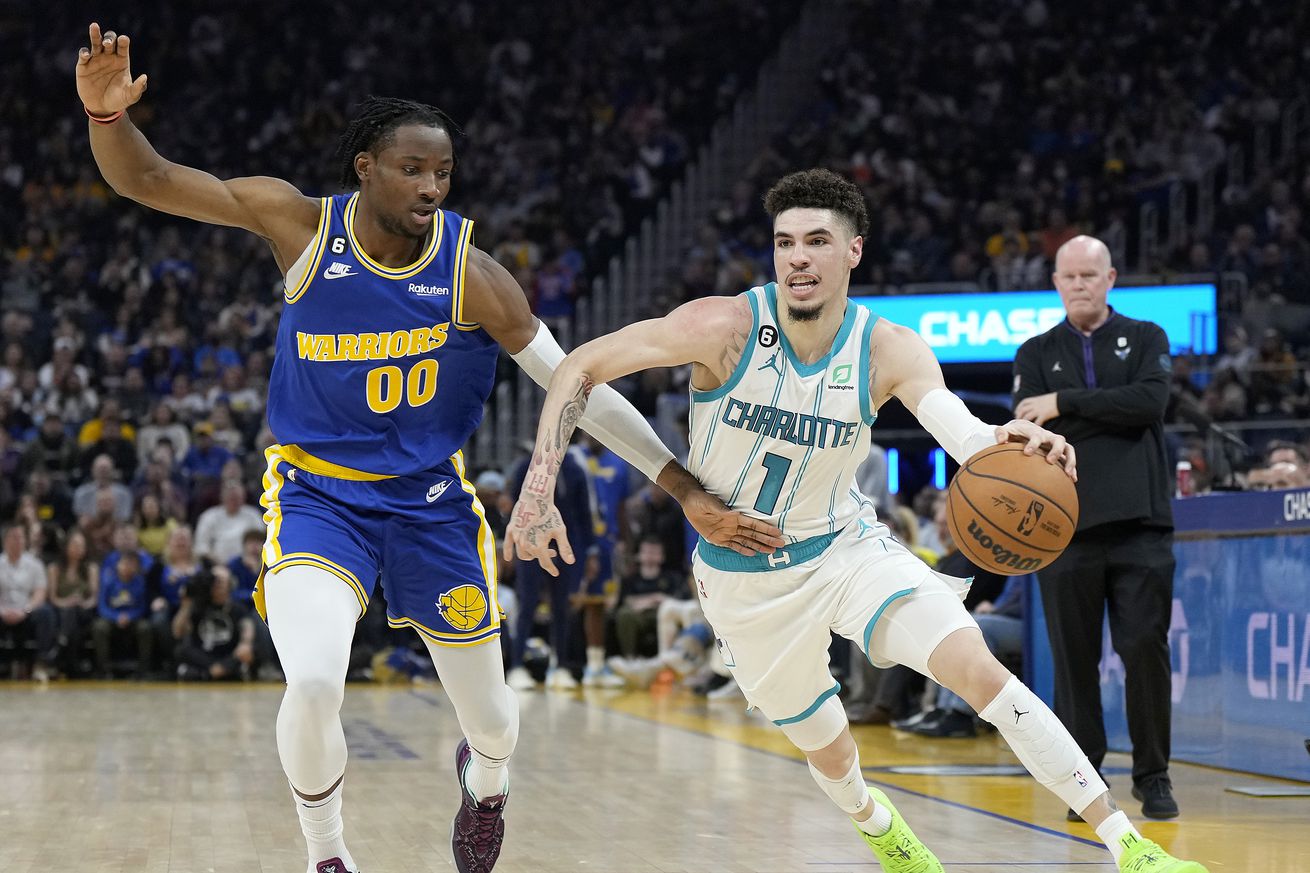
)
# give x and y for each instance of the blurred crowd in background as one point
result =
(135, 347)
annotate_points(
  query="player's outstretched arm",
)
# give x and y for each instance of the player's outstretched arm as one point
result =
(901, 365)
(271, 208)
(503, 312)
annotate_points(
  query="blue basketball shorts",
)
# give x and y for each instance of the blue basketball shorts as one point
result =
(425, 536)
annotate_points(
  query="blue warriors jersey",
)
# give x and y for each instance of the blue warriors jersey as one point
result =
(376, 374)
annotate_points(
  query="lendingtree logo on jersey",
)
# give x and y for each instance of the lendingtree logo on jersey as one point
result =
(840, 377)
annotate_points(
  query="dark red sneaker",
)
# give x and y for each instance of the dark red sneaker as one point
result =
(332, 865)
(479, 827)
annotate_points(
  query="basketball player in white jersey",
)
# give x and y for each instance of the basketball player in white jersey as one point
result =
(786, 381)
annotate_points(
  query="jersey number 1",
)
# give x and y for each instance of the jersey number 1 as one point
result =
(387, 386)
(777, 467)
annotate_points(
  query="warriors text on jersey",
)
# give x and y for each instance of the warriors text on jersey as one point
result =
(376, 374)
(781, 440)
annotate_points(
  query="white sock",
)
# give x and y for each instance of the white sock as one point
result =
(596, 658)
(1113, 829)
(877, 824)
(486, 777)
(320, 822)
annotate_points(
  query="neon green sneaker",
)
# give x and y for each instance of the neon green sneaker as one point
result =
(1144, 856)
(899, 850)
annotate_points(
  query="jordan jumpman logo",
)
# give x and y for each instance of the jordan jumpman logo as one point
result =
(772, 364)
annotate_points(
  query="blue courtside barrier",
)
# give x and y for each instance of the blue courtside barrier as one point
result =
(1240, 639)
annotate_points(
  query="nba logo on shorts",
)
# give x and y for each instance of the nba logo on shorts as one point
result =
(1080, 778)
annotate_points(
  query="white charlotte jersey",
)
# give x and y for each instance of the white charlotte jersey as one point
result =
(781, 440)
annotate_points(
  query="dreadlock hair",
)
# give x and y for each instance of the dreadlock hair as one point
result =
(374, 126)
(819, 189)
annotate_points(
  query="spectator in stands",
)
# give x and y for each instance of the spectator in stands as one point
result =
(640, 594)
(163, 426)
(73, 582)
(1275, 392)
(152, 526)
(202, 468)
(245, 567)
(109, 436)
(226, 433)
(214, 633)
(122, 620)
(24, 614)
(652, 514)
(220, 529)
(104, 478)
(53, 451)
(1284, 475)
(1285, 451)
(100, 526)
(53, 500)
(166, 582)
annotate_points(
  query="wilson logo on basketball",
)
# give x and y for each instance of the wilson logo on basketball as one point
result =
(1000, 555)
(1028, 523)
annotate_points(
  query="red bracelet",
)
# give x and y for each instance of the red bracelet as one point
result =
(103, 119)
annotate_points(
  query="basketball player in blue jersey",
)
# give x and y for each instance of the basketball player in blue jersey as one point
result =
(786, 381)
(385, 356)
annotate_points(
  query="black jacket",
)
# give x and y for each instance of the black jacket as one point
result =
(1113, 415)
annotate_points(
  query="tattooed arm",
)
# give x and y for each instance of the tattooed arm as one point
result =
(697, 333)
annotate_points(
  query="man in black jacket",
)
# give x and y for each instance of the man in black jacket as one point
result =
(1101, 380)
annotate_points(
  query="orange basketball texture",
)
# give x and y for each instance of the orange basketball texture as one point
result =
(1011, 513)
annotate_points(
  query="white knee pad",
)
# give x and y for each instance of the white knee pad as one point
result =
(474, 680)
(1043, 745)
(819, 728)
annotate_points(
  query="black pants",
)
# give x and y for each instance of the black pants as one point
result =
(1129, 569)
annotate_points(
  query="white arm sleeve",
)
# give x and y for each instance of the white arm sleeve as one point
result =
(609, 417)
(961, 433)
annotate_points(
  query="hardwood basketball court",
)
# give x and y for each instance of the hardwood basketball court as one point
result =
(165, 778)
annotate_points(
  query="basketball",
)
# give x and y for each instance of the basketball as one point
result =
(1011, 513)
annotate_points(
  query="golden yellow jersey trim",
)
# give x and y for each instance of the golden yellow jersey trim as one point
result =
(486, 539)
(434, 245)
(461, 265)
(468, 638)
(310, 464)
(273, 482)
(319, 242)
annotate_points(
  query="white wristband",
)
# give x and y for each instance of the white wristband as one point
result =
(609, 417)
(961, 433)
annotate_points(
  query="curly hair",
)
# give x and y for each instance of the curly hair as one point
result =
(374, 128)
(819, 189)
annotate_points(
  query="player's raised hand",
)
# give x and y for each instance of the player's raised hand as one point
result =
(730, 529)
(533, 526)
(104, 76)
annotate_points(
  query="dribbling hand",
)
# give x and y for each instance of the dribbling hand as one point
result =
(1057, 449)
(104, 76)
